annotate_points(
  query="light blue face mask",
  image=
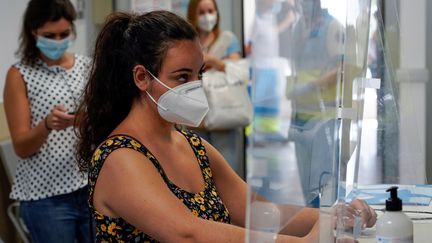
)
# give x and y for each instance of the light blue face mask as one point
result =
(277, 7)
(53, 49)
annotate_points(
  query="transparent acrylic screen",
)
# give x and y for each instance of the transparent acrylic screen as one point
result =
(326, 119)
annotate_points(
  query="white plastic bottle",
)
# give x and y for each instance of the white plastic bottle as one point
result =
(394, 226)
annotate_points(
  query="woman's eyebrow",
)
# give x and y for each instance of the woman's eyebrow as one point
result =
(62, 32)
(187, 69)
(182, 70)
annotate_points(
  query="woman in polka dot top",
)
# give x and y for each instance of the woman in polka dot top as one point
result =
(40, 97)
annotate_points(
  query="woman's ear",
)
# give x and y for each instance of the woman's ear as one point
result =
(141, 77)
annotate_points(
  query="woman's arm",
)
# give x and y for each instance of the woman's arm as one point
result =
(129, 186)
(28, 140)
(302, 223)
(231, 188)
(295, 221)
(233, 191)
(231, 53)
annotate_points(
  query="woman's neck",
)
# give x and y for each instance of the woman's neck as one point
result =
(143, 122)
(66, 61)
(206, 39)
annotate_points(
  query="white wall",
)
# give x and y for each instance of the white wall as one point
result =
(429, 97)
(231, 16)
(10, 25)
(413, 77)
(80, 44)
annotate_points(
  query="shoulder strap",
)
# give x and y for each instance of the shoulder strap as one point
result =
(111, 144)
(199, 150)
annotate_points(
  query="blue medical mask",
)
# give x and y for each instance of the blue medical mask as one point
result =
(53, 49)
(277, 7)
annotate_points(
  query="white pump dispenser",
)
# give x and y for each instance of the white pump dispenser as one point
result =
(394, 226)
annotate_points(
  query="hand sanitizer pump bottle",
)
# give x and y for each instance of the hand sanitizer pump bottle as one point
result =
(394, 226)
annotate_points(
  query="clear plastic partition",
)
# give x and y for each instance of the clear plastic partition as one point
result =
(309, 64)
(383, 133)
(327, 123)
(389, 147)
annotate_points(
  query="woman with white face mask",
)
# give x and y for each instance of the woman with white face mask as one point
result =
(40, 97)
(218, 48)
(151, 180)
(218, 45)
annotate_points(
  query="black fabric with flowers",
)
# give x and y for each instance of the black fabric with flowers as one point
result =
(206, 204)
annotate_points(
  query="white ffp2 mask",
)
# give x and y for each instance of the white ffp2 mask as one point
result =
(207, 22)
(184, 104)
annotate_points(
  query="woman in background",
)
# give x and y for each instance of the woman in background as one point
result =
(40, 97)
(218, 47)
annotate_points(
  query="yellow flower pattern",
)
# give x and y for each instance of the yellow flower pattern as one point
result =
(136, 232)
(111, 228)
(203, 208)
(195, 141)
(198, 198)
(206, 204)
(96, 155)
(201, 152)
(208, 172)
(135, 144)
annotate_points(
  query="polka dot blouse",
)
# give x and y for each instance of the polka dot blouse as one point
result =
(53, 170)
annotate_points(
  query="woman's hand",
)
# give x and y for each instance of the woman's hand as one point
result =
(346, 240)
(368, 214)
(356, 208)
(59, 119)
(212, 62)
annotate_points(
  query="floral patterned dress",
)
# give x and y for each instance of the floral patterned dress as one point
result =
(206, 204)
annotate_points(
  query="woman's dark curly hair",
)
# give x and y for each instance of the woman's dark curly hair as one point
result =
(37, 13)
(126, 40)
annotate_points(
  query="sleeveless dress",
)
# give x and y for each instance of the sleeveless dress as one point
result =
(206, 204)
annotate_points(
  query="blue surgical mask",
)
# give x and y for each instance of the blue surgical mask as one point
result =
(277, 7)
(53, 49)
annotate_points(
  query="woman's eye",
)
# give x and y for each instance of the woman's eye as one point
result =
(204, 12)
(49, 36)
(64, 35)
(61, 36)
(183, 78)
